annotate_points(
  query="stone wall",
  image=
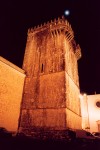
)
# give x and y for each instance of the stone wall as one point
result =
(46, 103)
(73, 121)
(93, 111)
(51, 119)
(72, 96)
(11, 88)
(47, 91)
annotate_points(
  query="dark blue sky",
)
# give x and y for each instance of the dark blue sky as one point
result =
(17, 16)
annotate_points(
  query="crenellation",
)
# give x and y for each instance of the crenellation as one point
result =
(41, 26)
(48, 23)
(53, 25)
(34, 27)
(38, 26)
(44, 24)
(58, 20)
(55, 21)
(66, 22)
(51, 21)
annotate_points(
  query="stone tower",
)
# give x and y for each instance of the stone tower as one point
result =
(51, 90)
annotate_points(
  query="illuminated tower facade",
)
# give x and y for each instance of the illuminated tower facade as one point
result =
(51, 90)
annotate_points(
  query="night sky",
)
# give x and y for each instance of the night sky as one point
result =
(17, 16)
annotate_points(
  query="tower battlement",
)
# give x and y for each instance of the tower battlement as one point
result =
(55, 27)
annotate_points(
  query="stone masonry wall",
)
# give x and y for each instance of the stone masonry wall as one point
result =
(51, 86)
(73, 112)
(11, 88)
(44, 89)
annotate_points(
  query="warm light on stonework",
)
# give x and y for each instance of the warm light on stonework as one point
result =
(50, 61)
(48, 98)
(11, 86)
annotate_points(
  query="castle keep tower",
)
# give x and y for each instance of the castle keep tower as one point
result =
(51, 90)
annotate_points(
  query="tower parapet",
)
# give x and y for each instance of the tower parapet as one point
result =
(60, 23)
(57, 27)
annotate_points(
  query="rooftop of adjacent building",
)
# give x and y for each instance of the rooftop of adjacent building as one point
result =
(11, 65)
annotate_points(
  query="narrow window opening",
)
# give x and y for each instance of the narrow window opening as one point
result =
(42, 68)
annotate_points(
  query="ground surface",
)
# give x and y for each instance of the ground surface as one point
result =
(23, 143)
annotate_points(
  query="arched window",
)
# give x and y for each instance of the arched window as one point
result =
(98, 103)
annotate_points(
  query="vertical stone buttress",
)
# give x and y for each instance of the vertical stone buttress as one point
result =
(51, 91)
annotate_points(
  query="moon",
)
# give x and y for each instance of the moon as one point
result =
(67, 12)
